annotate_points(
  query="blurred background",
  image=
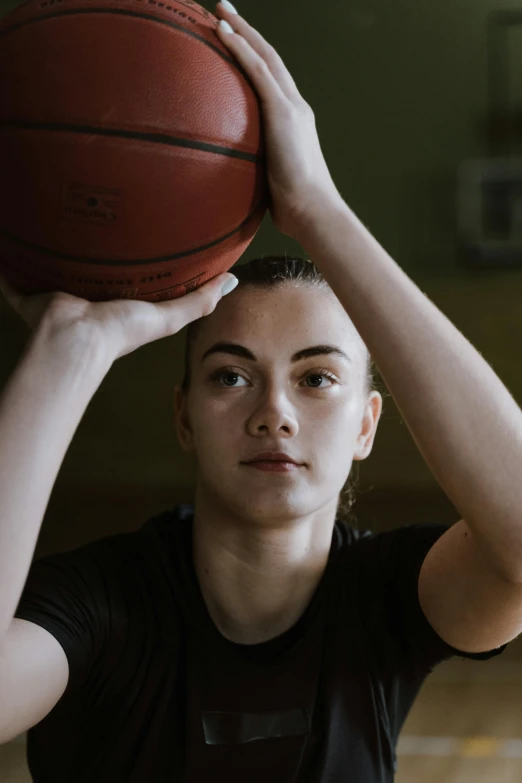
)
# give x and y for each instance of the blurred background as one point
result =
(419, 110)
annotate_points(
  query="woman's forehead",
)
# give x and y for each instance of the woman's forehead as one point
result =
(286, 316)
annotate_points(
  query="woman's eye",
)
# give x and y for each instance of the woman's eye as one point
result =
(327, 375)
(233, 374)
(228, 373)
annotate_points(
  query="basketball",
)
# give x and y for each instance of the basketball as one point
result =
(131, 149)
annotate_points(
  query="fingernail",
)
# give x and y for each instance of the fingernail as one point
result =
(228, 6)
(225, 26)
(229, 285)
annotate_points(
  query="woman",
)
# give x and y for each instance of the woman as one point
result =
(255, 636)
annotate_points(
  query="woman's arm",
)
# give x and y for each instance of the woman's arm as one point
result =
(464, 421)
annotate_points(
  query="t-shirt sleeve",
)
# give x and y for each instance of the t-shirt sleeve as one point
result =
(75, 597)
(391, 567)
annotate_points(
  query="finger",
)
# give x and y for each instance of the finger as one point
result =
(256, 45)
(256, 68)
(196, 304)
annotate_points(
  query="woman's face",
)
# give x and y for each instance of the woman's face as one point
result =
(314, 408)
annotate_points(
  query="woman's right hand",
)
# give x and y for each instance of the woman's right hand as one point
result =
(122, 325)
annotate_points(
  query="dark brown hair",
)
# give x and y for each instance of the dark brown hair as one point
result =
(269, 273)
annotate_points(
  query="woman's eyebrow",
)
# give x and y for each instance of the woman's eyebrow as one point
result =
(240, 350)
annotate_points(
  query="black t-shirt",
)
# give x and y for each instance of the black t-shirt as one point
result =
(156, 693)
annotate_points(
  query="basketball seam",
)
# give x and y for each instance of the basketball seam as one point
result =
(128, 262)
(122, 12)
(194, 7)
(153, 138)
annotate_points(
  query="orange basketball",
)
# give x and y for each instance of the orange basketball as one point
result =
(131, 154)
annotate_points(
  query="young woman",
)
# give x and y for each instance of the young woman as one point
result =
(255, 635)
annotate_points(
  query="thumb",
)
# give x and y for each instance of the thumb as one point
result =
(228, 283)
(208, 296)
(198, 303)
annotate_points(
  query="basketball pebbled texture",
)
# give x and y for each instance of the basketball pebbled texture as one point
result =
(131, 149)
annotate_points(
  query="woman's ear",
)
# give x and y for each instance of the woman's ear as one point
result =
(182, 420)
(369, 423)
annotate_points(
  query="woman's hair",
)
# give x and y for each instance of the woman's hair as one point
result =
(267, 274)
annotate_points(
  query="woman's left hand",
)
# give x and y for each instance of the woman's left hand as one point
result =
(298, 176)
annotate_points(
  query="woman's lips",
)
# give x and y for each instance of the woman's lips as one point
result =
(274, 466)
